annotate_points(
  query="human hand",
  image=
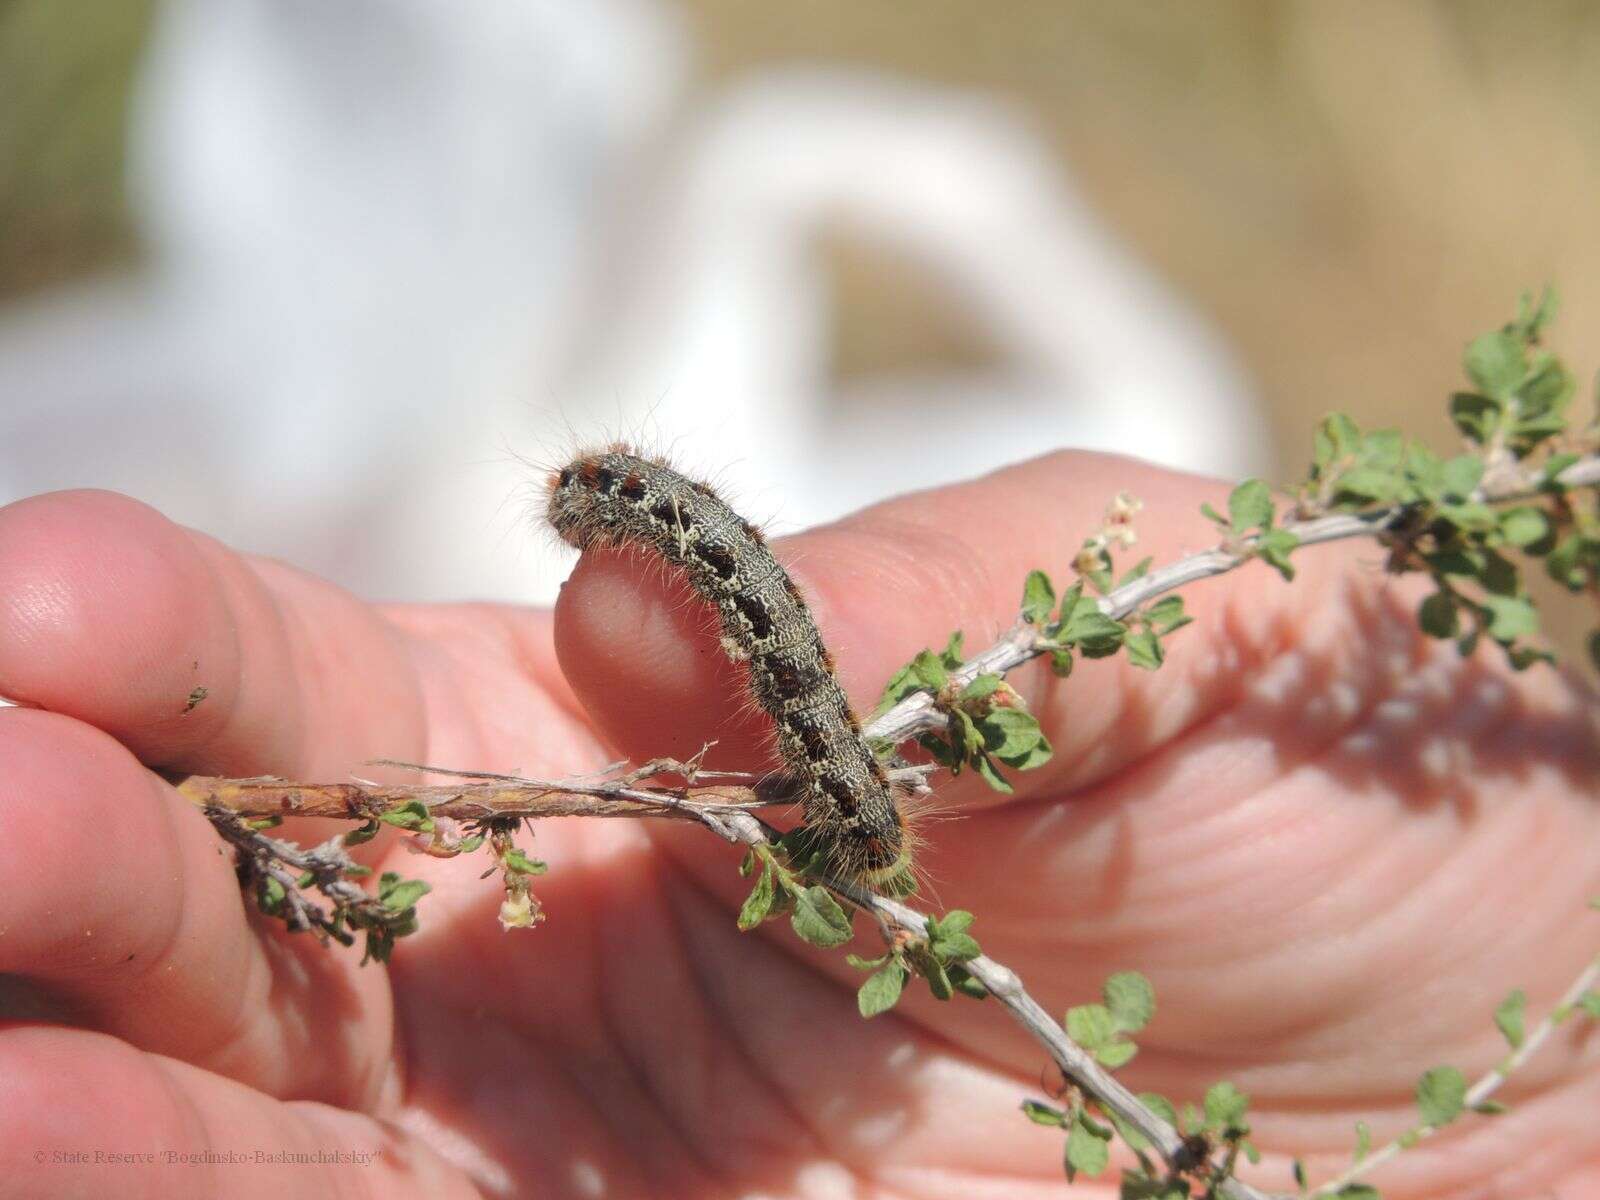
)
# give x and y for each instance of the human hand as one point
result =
(1331, 845)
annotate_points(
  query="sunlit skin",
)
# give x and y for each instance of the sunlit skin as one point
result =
(1330, 844)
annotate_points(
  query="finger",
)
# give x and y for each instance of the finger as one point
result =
(644, 656)
(123, 914)
(194, 657)
(90, 1116)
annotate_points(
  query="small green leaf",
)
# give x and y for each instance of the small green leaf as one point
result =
(1144, 649)
(1496, 363)
(963, 726)
(1086, 627)
(271, 895)
(818, 919)
(1038, 598)
(1500, 574)
(362, 833)
(1363, 1141)
(957, 920)
(1086, 1152)
(1490, 1108)
(413, 814)
(991, 774)
(1013, 736)
(400, 894)
(1160, 1105)
(1531, 321)
(867, 964)
(1336, 438)
(1090, 1025)
(1590, 1003)
(901, 684)
(1508, 1018)
(1553, 467)
(758, 903)
(980, 688)
(1358, 1191)
(1115, 1054)
(1475, 416)
(519, 863)
(957, 948)
(952, 655)
(1044, 1114)
(1250, 506)
(1167, 614)
(1437, 616)
(939, 984)
(949, 940)
(1226, 1107)
(928, 669)
(1213, 515)
(1524, 525)
(1382, 448)
(881, 991)
(1138, 571)
(1299, 1169)
(1440, 1094)
(965, 983)
(1369, 484)
(1274, 548)
(1130, 999)
(1510, 618)
(1461, 475)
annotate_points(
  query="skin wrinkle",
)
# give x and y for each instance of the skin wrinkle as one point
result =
(189, 1112)
(798, 954)
(223, 729)
(301, 652)
(232, 693)
(695, 890)
(583, 1083)
(245, 997)
(683, 1135)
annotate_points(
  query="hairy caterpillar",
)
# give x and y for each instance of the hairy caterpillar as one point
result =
(617, 498)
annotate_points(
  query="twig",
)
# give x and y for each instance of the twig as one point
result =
(267, 796)
(1480, 1091)
(919, 713)
(745, 828)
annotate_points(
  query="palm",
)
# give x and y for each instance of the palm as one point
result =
(1270, 828)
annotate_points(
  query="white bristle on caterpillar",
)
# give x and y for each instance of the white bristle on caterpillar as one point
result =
(614, 498)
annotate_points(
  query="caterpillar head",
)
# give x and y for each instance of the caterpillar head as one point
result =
(590, 497)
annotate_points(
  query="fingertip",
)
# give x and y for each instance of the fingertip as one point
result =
(103, 616)
(74, 801)
(643, 655)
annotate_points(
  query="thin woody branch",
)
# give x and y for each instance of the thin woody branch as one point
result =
(919, 713)
(271, 797)
(1481, 1091)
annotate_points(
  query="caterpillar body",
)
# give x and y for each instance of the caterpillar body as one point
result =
(618, 498)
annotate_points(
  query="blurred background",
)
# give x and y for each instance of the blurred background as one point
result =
(337, 282)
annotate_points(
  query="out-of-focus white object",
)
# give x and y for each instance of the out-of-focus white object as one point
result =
(400, 244)
(721, 336)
